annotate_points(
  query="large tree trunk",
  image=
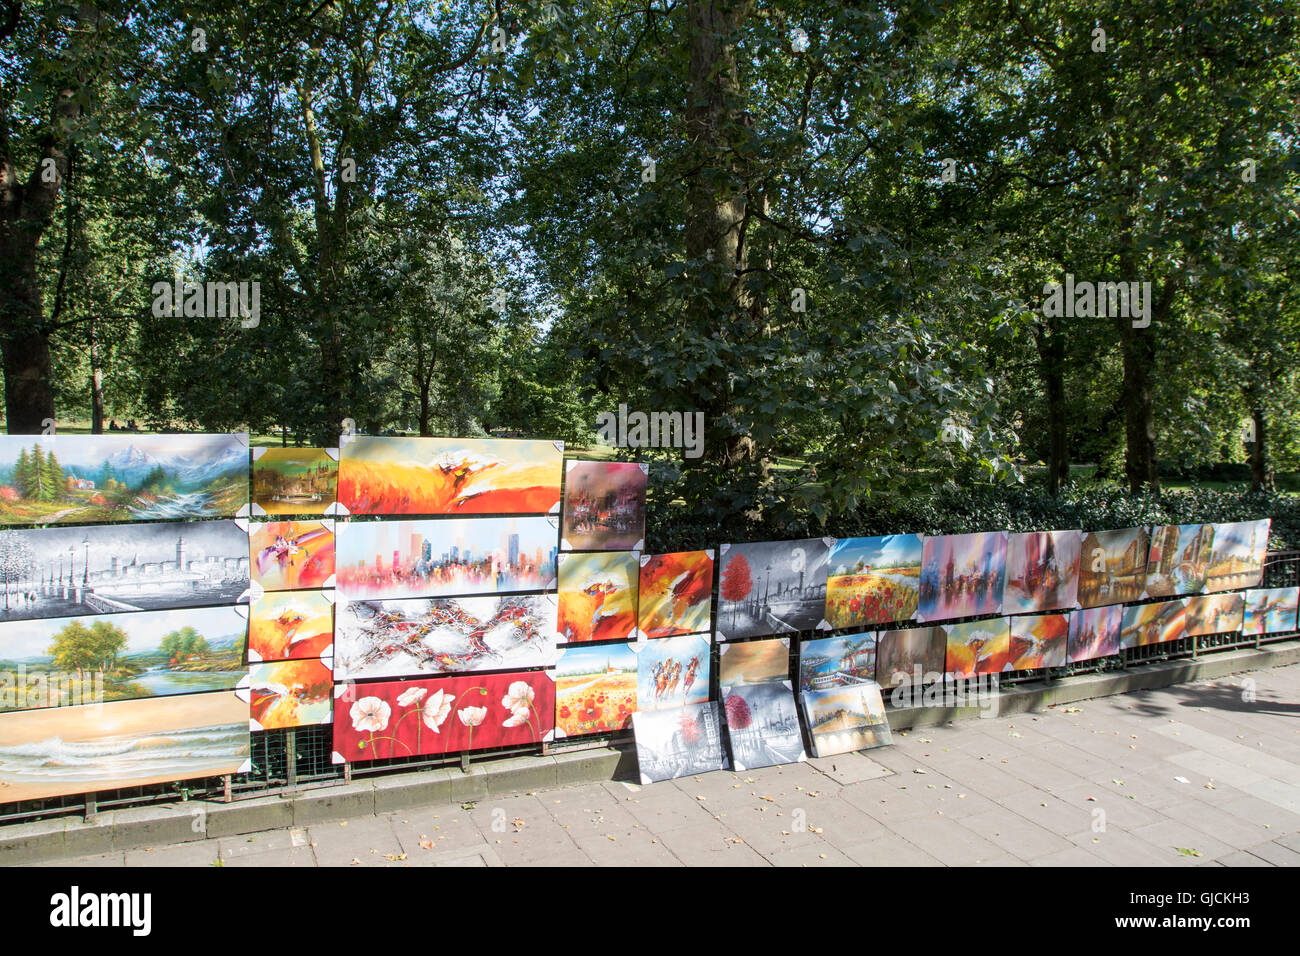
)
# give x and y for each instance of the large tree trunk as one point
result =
(715, 199)
(1258, 450)
(1051, 354)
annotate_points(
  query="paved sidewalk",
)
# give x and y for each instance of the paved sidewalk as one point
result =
(1196, 774)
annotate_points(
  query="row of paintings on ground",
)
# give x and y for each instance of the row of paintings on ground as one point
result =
(828, 583)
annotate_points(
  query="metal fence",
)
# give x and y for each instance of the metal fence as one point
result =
(301, 758)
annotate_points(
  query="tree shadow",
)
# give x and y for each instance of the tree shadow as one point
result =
(1228, 694)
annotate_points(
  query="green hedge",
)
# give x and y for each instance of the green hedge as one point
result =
(670, 526)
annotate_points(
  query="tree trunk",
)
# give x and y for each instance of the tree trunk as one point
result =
(715, 201)
(1051, 353)
(96, 385)
(1259, 471)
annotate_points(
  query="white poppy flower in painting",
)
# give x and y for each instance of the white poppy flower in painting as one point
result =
(436, 709)
(471, 716)
(370, 714)
(412, 696)
(520, 694)
(518, 717)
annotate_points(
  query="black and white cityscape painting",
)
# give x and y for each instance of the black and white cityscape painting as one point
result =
(772, 587)
(762, 725)
(678, 742)
(107, 569)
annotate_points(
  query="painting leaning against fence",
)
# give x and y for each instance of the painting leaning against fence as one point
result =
(106, 569)
(377, 721)
(83, 479)
(122, 656)
(449, 476)
(130, 743)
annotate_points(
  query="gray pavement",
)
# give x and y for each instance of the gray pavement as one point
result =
(1196, 774)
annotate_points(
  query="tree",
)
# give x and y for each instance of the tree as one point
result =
(95, 648)
(184, 643)
(737, 582)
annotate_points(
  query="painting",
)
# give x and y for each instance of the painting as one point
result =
(595, 689)
(1214, 614)
(910, 655)
(1237, 560)
(604, 506)
(290, 625)
(754, 662)
(447, 558)
(1147, 624)
(417, 636)
(978, 647)
(448, 476)
(675, 593)
(1271, 611)
(57, 662)
(96, 479)
(844, 661)
(131, 743)
(294, 481)
(1038, 640)
(441, 715)
(289, 694)
(762, 725)
(962, 575)
(107, 569)
(1178, 559)
(292, 555)
(598, 595)
(1042, 571)
(1113, 566)
(673, 672)
(873, 580)
(846, 719)
(680, 742)
(1094, 633)
(772, 587)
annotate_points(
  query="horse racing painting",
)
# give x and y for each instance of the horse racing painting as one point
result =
(673, 672)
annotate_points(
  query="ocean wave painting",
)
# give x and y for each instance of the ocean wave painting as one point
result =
(93, 747)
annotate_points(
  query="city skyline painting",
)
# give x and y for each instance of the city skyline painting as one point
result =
(449, 557)
(417, 636)
(294, 481)
(910, 655)
(762, 725)
(1207, 614)
(1042, 571)
(1178, 559)
(680, 742)
(962, 575)
(843, 661)
(772, 587)
(604, 506)
(1094, 632)
(1237, 559)
(1271, 611)
(846, 719)
(448, 476)
(107, 569)
(86, 479)
(1113, 566)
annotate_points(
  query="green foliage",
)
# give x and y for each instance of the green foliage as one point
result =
(184, 643)
(80, 648)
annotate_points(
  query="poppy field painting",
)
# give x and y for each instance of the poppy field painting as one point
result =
(595, 689)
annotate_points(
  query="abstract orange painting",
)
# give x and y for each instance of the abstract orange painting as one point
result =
(289, 694)
(290, 625)
(449, 476)
(676, 593)
(598, 596)
(289, 555)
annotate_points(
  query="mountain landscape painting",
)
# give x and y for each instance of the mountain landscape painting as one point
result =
(84, 479)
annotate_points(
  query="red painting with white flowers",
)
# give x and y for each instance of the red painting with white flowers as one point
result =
(376, 721)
